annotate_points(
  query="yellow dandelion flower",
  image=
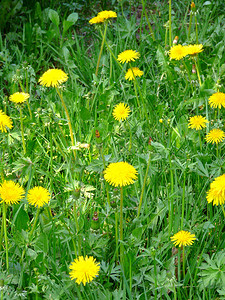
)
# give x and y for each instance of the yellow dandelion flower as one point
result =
(183, 238)
(128, 56)
(19, 97)
(177, 52)
(161, 120)
(194, 49)
(96, 20)
(216, 193)
(120, 174)
(5, 122)
(84, 269)
(121, 111)
(53, 77)
(11, 192)
(38, 196)
(217, 100)
(132, 73)
(215, 136)
(107, 14)
(197, 122)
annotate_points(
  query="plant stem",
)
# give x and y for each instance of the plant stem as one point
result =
(101, 49)
(149, 25)
(171, 198)
(200, 141)
(170, 29)
(130, 144)
(77, 228)
(197, 69)
(143, 187)
(196, 28)
(190, 23)
(183, 201)
(183, 264)
(106, 183)
(188, 74)
(68, 119)
(22, 131)
(116, 231)
(223, 210)
(121, 227)
(4, 209)
(35, 223)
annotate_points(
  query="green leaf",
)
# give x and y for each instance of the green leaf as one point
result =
(73, 18)
(54, 17)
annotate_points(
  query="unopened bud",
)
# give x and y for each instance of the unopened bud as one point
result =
(95, 224)
(175, 40)
(193, 7)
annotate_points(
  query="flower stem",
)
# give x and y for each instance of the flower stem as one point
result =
(143, 187)
(170, 29)
(149, 25)
(183, 201)
(171, 198)
(107, 187)
(190, 23)
(68, 119)
(188, 74)
(196, 28)
(121, 227)
(101, 49)
(77, 227)
(22, 131)
(116, 231)
(130, 144)
(200, 141)
(197, 69)
(223, 210)
(35, 223)
(4, 208)
(183, 264)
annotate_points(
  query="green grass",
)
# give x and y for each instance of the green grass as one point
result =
(180, 170)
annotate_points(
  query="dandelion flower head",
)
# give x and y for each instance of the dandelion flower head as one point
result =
(217, 100)
(177, 52)
(128, 56)
(132, 73)
(11, 192)
(53, 77)
(102, 16)
(120, 174)
(84, 269)
(215, 136)
(194, 49)
(183, 238)
(197, 122)
(121, 112)
(216, 193)
(19, 97)
(5, 122)
(38, 196)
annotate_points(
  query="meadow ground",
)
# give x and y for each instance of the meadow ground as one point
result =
(112, 150)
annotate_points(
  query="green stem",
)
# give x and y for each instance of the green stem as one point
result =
(197, 69)
(4, 209)
(101, 49)
(68, 119)
(171, 199)
(217, 150)
(200, 141)
(149, 25)
(22, 131)
(107, 45)
(135, 90)
(223, 210)
(170, 25)
(121, 228)
(190, 23)
(183, 264)
(155, 275)
(188, 74)
(196, 28)
(143, 187)
(130, 144)
(34, 225)
(116, 231)
(106, 183)
(183, 201)
(1, 237)
(77, 228)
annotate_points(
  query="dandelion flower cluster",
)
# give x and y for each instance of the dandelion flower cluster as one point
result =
(216, 193)
(102, 16)
(197, 122)
(177, 52)
(11, 192)
(215, 136)
(217, 100)
(38, 196)
(132, 73)
(5, 122)
(53, 77)
(121, 112)
(193, 49)
(183, 238)
(19, 97)
(120, 174)
(84, 269)
(128, 56)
